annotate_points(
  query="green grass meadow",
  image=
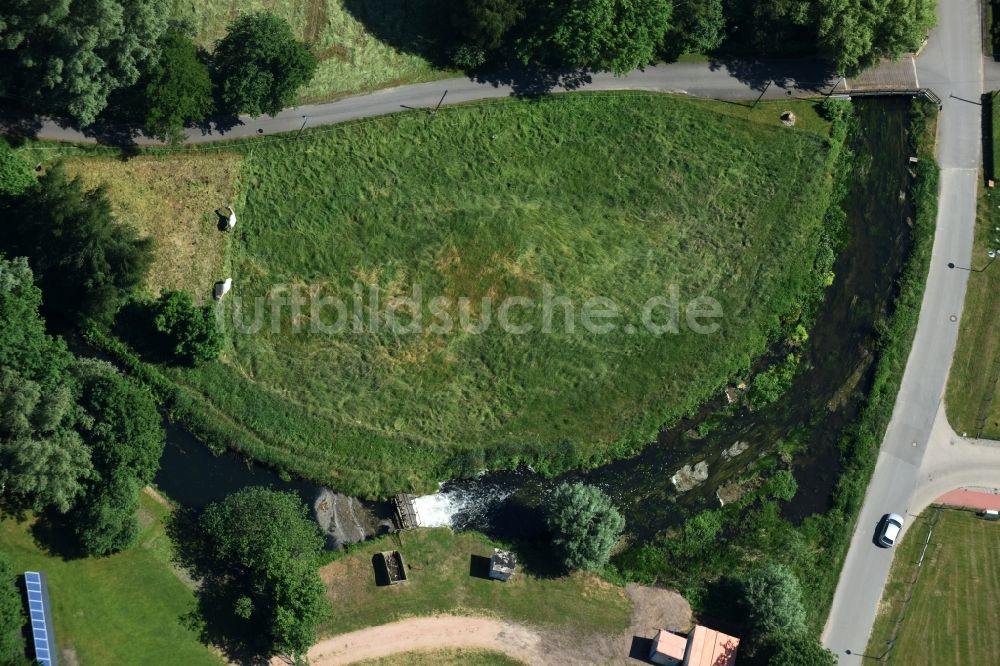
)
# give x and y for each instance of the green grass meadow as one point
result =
(361, 46)
(439, 566)
(618, 196)
(121, 610)
(947, 620)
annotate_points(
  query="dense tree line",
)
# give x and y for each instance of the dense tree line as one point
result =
(75, 435)
(620, 35)
(73, 57)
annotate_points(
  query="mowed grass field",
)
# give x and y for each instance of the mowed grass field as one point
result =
(973, 397)
(361, 46)
(121, 610)
(440, 568)
(622, 196)
(172, 199)
(947, 622)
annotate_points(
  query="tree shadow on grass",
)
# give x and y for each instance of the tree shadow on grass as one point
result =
(53, 533)
(522, 525)
(418, 27)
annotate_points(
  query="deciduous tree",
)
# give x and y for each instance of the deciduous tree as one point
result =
(189, 332)
(773, 602)
(584, 524)
(67, 56)
(179, 90)
(257, 554)
(259, 65)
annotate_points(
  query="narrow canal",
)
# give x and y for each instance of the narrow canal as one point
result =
(805, 426)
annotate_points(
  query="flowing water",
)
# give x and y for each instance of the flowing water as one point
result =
(807, 422)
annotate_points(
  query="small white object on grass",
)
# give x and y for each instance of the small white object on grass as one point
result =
(222, 288)
(231, 222)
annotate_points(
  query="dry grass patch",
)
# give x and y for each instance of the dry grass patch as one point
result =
(172, 199)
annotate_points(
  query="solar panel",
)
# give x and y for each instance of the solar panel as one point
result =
(41, 618)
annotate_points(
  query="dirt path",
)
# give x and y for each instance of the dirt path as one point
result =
(653, 608)
(428, 633)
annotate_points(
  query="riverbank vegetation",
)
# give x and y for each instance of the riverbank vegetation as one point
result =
(498, 200)
(934, 601)
(715, 548)
(125, 609)
(448, 573)
(973, 397)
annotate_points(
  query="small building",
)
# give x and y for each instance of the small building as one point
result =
(43, 637)
(701, 647)
(222, 288)
(502, 564)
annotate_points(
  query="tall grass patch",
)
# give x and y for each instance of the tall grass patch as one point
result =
(623, 196)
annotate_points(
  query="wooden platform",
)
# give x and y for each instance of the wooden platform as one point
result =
(406, 515)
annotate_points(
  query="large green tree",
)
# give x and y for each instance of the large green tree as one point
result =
(67, 56)
(618, 35)
(773, 602)
(259, 65)
(485, 23)
(257, 555)
(585, 525)
(12, 619)
(85, 261)
(43, 460)
(123, 429)
(179, 88)
(699, 25)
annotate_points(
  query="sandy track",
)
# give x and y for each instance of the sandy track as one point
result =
(429, 633)
(652, 608)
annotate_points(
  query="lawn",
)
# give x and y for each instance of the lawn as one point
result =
(973, 398)
(445, 658)
(439, 565)
(955, 592)
(173, 199)
(124, 609)
(618, 196)
(362, 46)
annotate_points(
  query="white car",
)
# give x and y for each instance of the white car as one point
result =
(890, 527)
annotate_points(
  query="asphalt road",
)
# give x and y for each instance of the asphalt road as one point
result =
(951, 64)
(736, 81)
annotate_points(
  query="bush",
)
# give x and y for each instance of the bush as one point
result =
(189, 333)
(772, 599)
(16, 176)
(585, 525)
(771, 384)
(259, 65)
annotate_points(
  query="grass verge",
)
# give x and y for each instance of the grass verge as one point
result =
(125, 609)
(973, 397)
(955, 590)
(446, 577)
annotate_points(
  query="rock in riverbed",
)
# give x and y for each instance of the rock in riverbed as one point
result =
(688, 477)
